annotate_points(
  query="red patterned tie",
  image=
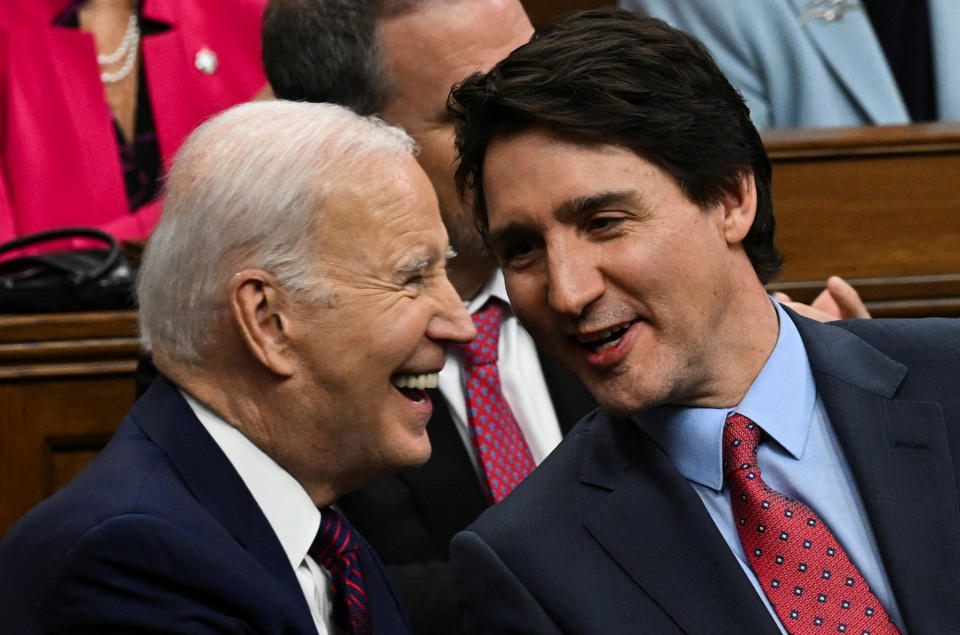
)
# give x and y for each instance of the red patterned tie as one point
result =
(806, 574)
(336, 549)
(503, 452)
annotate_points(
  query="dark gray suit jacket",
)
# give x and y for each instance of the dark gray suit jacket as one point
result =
(608, 537)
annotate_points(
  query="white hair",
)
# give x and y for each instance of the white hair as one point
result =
(245, 191)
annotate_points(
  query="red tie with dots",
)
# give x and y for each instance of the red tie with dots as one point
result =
(503, 452)
(806, 574)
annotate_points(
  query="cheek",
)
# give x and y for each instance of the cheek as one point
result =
(528, 300)
(437, 158)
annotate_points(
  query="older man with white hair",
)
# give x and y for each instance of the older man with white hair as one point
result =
(295, 299)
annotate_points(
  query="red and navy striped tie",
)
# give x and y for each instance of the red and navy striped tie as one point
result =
(336, 549)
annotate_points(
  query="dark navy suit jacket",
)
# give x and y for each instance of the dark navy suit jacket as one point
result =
(159, 534)
(606, 536)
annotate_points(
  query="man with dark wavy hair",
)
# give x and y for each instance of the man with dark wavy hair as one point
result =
(750, 470)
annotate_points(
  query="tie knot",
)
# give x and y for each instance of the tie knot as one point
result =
(334, 538)
(741, 437)
(483, 349)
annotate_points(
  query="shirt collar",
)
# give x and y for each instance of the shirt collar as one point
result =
(494, 288)
(781, 400)
(287, 506)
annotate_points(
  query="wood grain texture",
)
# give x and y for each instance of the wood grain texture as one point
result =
(879, 206)
(66, 380)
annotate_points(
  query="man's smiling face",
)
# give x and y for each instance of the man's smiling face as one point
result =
(371, 349)
(612, 268)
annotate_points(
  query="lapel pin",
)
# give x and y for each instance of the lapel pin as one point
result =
(206, 61)
(828, 10)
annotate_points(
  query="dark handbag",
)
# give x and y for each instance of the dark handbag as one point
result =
(66, 280)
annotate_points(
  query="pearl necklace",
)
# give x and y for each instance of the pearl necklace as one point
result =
(127, 51)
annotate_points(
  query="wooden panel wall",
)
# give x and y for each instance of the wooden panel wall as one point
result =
(877, 205)
(65, 383)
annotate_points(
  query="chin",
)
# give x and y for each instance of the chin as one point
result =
(417, 454)
(623, 402)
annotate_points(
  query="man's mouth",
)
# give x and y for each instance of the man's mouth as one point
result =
(600, 340)
(413, 386)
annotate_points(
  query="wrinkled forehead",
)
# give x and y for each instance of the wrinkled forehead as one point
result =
(382, 198)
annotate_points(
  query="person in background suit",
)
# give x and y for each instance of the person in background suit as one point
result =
(288, 361)
(750, 470)
(815, 63)
(398, 59)
(97, 95)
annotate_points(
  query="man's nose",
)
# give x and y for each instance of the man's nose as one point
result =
(573, 278)
(452, 323)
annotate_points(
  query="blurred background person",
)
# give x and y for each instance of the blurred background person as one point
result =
(818, 63)
(97, 95)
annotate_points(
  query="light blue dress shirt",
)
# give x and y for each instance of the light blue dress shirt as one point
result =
(800, 456)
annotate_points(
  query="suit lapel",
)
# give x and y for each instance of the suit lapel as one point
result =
(851, 50)
(169, 422)
(899, 453)
(446, 487)
(386, 611)
(571, 399)
(650, 521)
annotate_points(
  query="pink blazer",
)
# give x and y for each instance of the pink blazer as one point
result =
(59, 164)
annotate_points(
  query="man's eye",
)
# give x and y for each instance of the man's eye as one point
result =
(516, 250)
(599, 223)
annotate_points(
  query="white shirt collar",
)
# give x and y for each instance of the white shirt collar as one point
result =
(288, 508)
(495, 287)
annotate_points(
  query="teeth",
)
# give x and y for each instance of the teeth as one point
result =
(593, 337)
(607, 345)
(421, 381)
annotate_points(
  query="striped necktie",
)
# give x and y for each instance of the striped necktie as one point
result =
(335, 547)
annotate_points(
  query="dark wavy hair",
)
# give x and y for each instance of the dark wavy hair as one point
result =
(612, 76)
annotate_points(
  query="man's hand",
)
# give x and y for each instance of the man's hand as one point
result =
(837, 302)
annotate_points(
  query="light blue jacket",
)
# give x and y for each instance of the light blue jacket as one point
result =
(817, 73)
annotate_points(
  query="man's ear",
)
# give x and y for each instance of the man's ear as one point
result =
(260, 308)
(739, 208)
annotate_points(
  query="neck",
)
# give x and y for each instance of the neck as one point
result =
(469, 272)
(752, 339)
(122, 6)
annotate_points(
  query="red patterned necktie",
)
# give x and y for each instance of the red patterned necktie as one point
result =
(500, 445)
(807, 576)
(335, 547)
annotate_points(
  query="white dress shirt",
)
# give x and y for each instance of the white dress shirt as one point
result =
(521, 379)
(288, 508)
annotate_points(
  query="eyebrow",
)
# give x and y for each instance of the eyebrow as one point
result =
(422, 263)
(571, 209)
(416, 265)
(566, 212)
